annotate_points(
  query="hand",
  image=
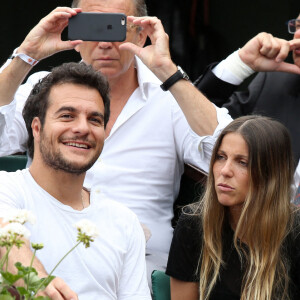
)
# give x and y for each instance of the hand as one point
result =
(45, 38)
(157, 55)
(267, 53)
(58, 290)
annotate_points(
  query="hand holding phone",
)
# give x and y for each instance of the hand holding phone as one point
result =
(105, 27)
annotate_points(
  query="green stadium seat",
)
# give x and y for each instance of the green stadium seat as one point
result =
(160, 285)
(13, 163)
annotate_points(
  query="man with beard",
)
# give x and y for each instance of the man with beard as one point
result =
(66, 115)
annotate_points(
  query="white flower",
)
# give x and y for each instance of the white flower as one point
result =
(87, 227)
(19, 216)
(14, 229)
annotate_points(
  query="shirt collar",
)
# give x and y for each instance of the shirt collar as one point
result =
(146, 78)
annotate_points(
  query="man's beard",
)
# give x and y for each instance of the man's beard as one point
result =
(57, 161)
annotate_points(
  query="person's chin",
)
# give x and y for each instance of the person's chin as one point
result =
(77, 167)
(225, 200)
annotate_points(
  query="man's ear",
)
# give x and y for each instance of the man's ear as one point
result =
(36, 127)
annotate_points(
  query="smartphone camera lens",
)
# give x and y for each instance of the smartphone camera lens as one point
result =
(123, 21)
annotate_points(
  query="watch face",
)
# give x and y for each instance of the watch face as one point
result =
(184, 75)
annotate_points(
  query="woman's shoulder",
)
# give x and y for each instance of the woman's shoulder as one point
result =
(186, 247)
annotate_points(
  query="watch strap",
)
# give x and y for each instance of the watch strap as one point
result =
(180, 74)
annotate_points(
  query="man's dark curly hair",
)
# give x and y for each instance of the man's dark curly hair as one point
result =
(76, 73)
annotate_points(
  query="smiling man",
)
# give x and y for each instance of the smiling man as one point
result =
(65, 115)
(68, 143)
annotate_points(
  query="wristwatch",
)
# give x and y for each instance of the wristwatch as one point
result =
(180, 74)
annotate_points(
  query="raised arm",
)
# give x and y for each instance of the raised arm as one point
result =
(42, 41)
(198, 110)
(263, 53)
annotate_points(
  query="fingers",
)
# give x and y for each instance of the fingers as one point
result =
(131, 47)
(290, 68)
(283, 52)
(273, 48)
(59, 14)
(45, 38)
(152, 26)
(72, 11)
(67, 45)
(59, 290)
(294, 44)
(59, 17)
(146, 22)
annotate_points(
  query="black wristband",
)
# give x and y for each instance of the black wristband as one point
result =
(180, 74)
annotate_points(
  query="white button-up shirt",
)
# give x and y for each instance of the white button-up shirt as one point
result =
(143, 157)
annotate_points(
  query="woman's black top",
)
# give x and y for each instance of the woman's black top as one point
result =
(185, 252)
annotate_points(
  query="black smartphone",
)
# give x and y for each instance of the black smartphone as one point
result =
(104, 27)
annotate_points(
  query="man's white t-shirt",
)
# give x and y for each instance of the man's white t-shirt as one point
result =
(114, 265)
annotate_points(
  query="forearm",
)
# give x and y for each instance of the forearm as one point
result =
(24, 256)
(198, 110)
(11, 78)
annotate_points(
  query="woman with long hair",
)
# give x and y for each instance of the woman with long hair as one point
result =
(241, 241)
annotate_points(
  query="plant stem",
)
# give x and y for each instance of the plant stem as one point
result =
(5, 257)
(33, 256)
(55, 267)
(31, 263)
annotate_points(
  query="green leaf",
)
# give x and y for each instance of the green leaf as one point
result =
(10, 278)
(6, 297)
(24, 270)
(47, 281)
(32, 279)
(23, 291)
(40, 285)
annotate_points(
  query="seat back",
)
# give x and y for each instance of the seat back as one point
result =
(160, 285)
(12, 163)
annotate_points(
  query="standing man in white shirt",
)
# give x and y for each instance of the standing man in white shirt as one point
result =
(151, 132)
(66, 115)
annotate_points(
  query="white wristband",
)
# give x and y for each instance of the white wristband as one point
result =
(29, 60)
(237, 66)
(233, 69)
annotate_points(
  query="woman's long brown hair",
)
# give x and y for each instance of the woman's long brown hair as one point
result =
(265, 219)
